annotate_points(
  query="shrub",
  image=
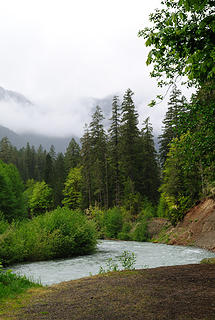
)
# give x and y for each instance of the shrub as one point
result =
(113, 222)
(125, 234)
(3, 223)
(61, 233)
(140, 232)
(127, 260)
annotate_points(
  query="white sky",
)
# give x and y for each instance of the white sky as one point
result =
(60, 53)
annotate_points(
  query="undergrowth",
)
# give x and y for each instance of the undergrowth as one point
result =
(11, 284)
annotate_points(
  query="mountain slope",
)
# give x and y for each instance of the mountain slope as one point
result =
(20, 140)
(8, 95)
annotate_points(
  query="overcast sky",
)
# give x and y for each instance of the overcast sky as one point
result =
(64, 54)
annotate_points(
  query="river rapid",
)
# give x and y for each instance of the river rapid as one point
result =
(148, 255)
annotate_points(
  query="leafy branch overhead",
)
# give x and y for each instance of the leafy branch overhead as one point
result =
(182, 39)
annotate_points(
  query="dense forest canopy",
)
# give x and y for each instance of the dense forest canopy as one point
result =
(182, 38)
(120, 166)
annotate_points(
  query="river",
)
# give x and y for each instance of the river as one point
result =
(148, 255)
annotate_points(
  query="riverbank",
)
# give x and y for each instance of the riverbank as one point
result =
(177, 292)
(196, 229)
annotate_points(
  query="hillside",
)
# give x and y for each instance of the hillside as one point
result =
(20, 140)
(197, 228)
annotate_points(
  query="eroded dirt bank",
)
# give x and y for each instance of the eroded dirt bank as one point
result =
(197, 228)
(165, 293)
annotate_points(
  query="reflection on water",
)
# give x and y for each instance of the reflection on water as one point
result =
(148, 255)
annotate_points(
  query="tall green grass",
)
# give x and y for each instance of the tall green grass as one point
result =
(61, 233)
(12, 284)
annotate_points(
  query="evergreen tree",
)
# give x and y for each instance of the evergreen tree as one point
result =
(52, 153)
(72, 155)
(5, 150)
(98, 142)
(114, 136)
(177, 106)
(49, 171)
(129, 139)
(150, 174)
(40, 164)
(86, 165)
(11, 192)
(60, 176)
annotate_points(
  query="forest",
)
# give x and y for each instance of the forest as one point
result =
(113, 182)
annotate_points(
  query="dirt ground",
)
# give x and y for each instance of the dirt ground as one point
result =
(197, 228)
(178, 292)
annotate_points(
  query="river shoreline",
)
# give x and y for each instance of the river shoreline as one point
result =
(177, 292)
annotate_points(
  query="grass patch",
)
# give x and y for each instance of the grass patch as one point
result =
(208, 261)
(12, 285)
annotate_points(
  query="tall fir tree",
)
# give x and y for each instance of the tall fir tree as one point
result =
(60, 177)
(150, 174)
(114, 136)
(98, 142)
(5, 150)
(86, 165)
(129, 139)
(177, 104)
(72, 155)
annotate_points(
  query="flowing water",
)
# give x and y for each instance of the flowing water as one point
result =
(148, 255)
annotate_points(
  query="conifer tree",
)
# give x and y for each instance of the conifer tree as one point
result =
(114, 136)
(129, 139)
(98, 142)
(86, 165)
(49, 171)
(60, 177)
(150, 174)
(171, 122)
(5, 150)
(72, 155)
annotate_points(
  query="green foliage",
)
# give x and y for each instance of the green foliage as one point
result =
(72, 190)
(113, 222)
(126, 259)
(12, 284)
(3, 223)
(162, 209)
(182, 40)
(41, 198)
(72, 155)
(97, 215)
(125, 233)
(208, 261)
(140, 232)
(170, 130)
(61, 233)
(149, 179)
(11, 192)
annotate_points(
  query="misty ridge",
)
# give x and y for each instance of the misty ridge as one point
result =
(15, 107)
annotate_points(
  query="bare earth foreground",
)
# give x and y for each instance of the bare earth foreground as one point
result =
(178, 292)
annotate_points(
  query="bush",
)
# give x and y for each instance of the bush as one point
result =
(61, 233)
(3, 223)
(113, 222)
(140, 232)
(125, 234)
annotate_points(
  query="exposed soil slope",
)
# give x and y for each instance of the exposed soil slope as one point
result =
(197, 228)
(165, 293)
